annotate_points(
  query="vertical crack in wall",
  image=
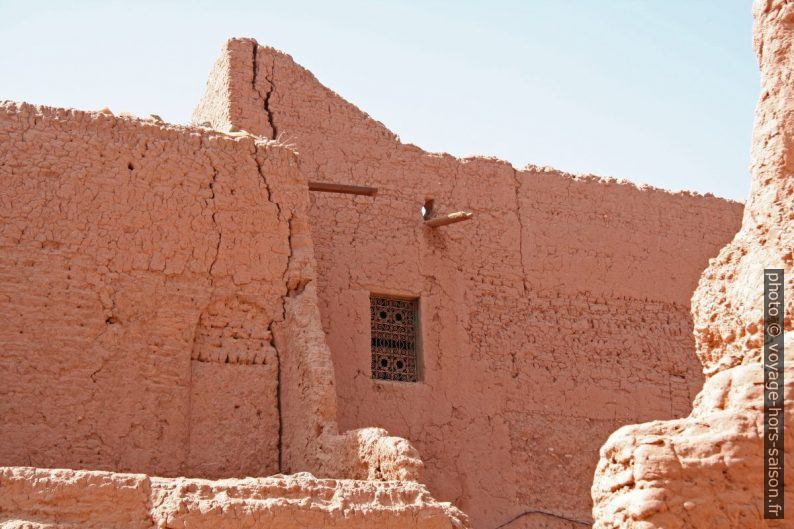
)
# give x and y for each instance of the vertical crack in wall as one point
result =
(267, 106)
(520, 230)
(279, 387)
(210, 202)
(271, 88)
(214, 216)
(280, 430)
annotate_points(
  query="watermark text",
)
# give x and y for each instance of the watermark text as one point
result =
(773, 394)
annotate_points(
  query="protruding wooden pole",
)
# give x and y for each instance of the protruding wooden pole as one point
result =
(328, 187)
(452, 218)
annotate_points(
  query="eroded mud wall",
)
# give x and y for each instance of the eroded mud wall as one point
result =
(560, 312)
(33, 497)
(153, 279)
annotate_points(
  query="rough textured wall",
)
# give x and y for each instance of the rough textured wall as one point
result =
(141, 264)
(149, 277)
(50, 499)
(158, 293)
(560, 312)
(706, 470)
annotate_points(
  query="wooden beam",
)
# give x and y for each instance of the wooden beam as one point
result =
(452, 218)
(328, 187)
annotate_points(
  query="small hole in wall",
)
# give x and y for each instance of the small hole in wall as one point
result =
(130, 166)
(428, 210)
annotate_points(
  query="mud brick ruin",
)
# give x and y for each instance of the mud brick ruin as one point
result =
(282, 316)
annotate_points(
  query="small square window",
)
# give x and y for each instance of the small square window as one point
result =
(394, 349)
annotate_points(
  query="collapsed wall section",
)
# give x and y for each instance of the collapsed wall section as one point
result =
(560, 312)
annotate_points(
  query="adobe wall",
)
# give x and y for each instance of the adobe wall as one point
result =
(559, 313)
(32, 497)
(156, 286)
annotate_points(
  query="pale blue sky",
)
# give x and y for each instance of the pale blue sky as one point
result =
(656, 91)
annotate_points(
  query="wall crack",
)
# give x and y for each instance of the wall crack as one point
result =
(271, 88)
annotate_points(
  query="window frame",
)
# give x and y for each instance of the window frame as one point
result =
(417, 338)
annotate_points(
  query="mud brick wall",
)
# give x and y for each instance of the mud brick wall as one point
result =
(143, 275)
(560, 312)
(35, 497)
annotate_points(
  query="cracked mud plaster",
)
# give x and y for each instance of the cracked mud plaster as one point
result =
(129, 248)
(559, 313)
(706, 470)
(159, 287)
(96, 500)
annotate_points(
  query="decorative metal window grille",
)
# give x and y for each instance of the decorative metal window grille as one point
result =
(394, 350)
